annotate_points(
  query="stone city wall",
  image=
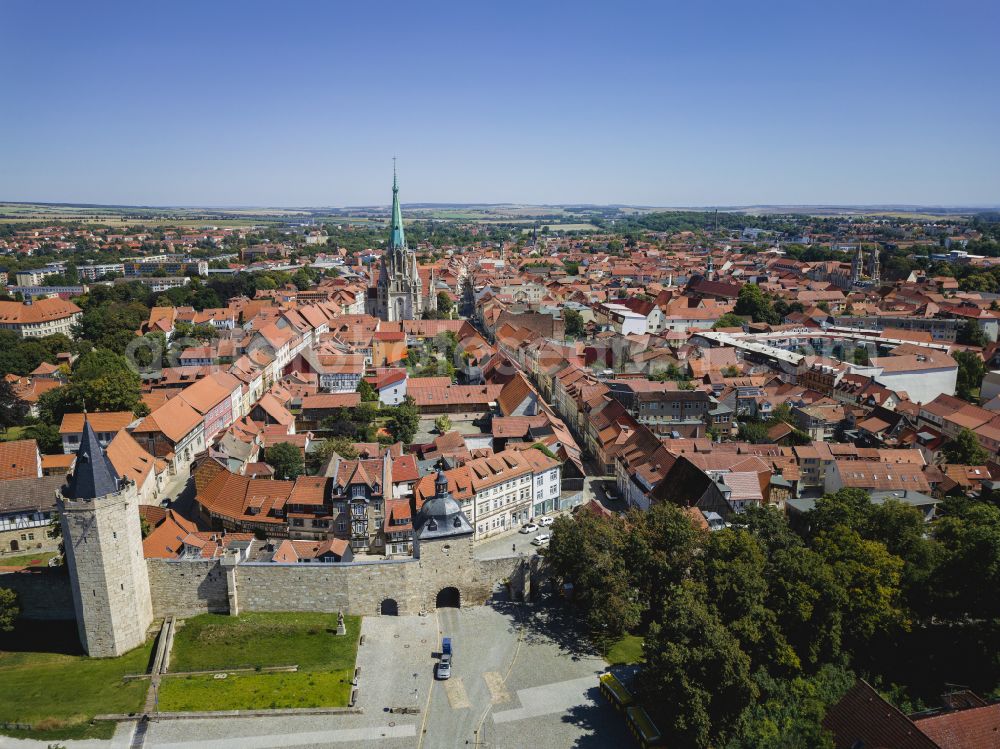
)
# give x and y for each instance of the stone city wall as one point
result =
(42, 593)
(187, 588)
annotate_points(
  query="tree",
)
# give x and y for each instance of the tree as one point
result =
(341, 446)
(591, 553)
(9, 609)
(12, 409)
(753, 431)
(789, 712)
(111, 325)
(286, 460)
(574, 323)
(970, 373)
(101, 381)
(872, 575)
(444, 303)
(732, 568)
(47, 436)
(753, 303)
(728, 320)
(971, 334)
(860, 356)
(965, 450)
(661, 548)
(696, 677)
(803, 593)
(969, 537)
(368, 393)
(404, 420)
(442, 424)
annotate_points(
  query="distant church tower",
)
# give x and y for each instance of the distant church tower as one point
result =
(874, 271)
(858, 265)
(398, 295)
(99, 511)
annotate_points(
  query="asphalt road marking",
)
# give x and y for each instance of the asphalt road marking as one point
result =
(498, 691)
(457, 696)
(552, 698)
(304, 738)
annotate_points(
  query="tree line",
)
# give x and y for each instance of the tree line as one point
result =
(751, 632)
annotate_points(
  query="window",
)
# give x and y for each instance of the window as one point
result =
(358, 491)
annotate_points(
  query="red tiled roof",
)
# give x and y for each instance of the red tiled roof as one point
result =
(973, 728)
(18, 459)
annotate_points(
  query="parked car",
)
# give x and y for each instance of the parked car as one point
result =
(545, 521)
(541, 539)
(529, 528)
(444, 665)
(444, 668)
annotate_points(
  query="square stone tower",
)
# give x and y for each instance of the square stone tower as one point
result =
(99, 512)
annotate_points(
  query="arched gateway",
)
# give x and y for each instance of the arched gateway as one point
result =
(449, 598)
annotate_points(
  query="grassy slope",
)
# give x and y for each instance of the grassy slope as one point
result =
(58, 693)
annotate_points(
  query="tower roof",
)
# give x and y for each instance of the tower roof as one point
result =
(396, 236)
(442, 515)
(93, 476)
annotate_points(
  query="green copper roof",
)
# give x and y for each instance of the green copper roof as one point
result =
(396, 236)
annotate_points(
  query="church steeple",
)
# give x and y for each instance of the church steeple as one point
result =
(397, 238)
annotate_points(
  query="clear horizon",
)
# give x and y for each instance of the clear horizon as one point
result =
(228, 105)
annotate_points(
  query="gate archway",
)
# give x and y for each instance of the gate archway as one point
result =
(389, 607)
(449, 598)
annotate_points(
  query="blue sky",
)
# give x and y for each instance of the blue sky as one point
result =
(665, 103)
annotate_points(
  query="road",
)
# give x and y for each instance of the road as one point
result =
(507, 545)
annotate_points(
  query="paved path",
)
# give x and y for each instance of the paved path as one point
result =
(302, 738)
(549, 699)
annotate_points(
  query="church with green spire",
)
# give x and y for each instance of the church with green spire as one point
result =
(399, 290)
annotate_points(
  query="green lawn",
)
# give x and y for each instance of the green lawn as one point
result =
(626, 650)
(218, 641)
(249, 691)
(29, 560)
(12, 434)
(58, 693)
(212, 641)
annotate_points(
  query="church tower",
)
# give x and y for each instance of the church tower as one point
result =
(875, 272)
(399, 295)
(99, 512)
(858, 265)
